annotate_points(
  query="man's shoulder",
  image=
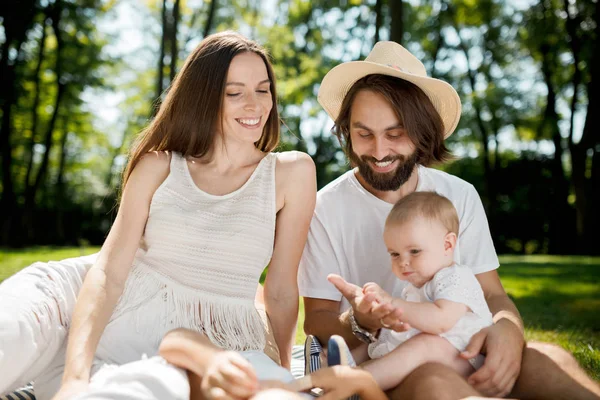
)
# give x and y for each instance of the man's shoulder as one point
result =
(339, 187)
(444, 183)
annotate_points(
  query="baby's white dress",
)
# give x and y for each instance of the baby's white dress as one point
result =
(456, 283)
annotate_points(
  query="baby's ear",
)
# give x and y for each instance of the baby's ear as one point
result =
(450, 241)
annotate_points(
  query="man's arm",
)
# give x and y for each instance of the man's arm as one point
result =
(502, 342)
(322, 318)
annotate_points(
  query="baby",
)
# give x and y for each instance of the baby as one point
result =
(440, 297)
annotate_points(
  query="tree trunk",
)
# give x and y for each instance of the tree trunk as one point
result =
(397, 20)
(579, 151)
(210, 18)
(32, 190)
(559, 232)
(174, 47)
(60, 188)
(378, 19)
(595, 197)
(490, 195)
(17, 18)
(36, 102)
(115, 154)
(161, 60)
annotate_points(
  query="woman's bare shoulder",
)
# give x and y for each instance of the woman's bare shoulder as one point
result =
(295, 164)
(152, 168)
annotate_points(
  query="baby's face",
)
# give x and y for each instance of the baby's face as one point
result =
(419, 248)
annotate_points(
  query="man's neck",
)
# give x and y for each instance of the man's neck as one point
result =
(392, 197)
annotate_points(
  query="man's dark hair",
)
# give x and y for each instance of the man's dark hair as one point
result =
(419, 117)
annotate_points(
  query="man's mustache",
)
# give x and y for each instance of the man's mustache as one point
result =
(384, 159)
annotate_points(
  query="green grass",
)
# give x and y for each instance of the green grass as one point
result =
(559, 300)
(12, 260)
(558, 296)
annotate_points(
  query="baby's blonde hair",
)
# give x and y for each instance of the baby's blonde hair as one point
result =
(429, 205)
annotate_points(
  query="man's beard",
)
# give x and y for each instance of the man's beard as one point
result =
(389, 181)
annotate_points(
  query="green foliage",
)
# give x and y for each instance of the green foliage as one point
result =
(500, 56)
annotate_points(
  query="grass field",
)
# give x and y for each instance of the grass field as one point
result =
(558, 296)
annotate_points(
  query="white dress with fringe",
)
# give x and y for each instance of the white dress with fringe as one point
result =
(199, 264)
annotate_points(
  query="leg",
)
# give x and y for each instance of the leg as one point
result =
(433, 381)
(392, 368)
(36, 305)
(549, 372)
(360, 353)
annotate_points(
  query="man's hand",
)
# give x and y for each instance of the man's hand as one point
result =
(373, 291)
(363, 308)
(502, 343)
(380, 299)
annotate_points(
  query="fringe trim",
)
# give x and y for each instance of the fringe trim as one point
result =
(230, 323)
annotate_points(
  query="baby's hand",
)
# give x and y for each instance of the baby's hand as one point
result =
(393, 321)
(374, 293)
(229, 375)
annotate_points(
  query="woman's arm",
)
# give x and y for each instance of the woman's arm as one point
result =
(296, 179)
(105, 281)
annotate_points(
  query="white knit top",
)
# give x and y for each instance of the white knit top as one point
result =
(204, 254)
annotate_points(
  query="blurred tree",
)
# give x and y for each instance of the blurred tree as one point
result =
(562, 60)
(53, 72)
(17, 18)
(525, 76)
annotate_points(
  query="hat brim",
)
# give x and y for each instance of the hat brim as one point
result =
(339, 80)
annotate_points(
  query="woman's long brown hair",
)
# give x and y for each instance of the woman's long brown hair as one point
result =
(190, 116)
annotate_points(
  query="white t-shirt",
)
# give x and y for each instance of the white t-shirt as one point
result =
(455, 283)
(346, 234)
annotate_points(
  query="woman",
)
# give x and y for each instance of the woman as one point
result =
(205, 207)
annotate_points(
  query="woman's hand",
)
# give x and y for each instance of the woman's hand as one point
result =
(341, 382)
(229, 375)
(70, 389)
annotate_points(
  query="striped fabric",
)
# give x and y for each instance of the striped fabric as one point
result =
(25, 393)
(297, 367)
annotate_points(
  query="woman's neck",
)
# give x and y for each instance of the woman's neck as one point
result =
(227, 156)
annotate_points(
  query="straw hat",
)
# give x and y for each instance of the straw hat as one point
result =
(390, 58)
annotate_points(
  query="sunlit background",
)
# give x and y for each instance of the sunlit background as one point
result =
(78, 81)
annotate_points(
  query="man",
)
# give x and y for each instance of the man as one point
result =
(392, 120)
